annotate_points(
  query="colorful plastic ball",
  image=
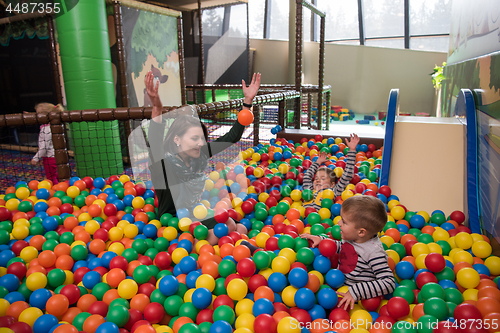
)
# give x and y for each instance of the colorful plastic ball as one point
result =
(436, 307)
(435, 262)
(417, 221)
(468, 278)
(481, 249)
(493, 264)
(398, 308)
(245, 117)
(201, 298)
(304, 299)
(289, 325)
(327, 298)
(262, 306)
(127, 289)
(237, 289)
(168, 285)
(10, 282)
(277, 282)
(39, 298)
(220, 326)
(298, 277)
(45, 323)
(405, 270)
(265, 323)
(335, 278)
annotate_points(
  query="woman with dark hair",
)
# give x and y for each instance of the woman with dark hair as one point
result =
(178, 176)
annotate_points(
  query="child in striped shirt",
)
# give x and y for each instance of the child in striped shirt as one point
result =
(362, 257)
(325, 178)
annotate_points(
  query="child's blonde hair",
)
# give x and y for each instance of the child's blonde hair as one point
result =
(48, 107)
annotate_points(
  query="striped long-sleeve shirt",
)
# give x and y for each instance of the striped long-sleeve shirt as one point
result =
(365, 268)
(337, 189)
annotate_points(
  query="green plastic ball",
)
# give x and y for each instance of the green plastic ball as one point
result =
(425, 238)
(140, 246)
(80, 319)
(261, 259)
(283, 208)
(453, 295)
(118, 315)
(445, 246)
(56, 277)
(446, 274)
(438, 218)
(431, 289)
(436, 307)
(224, 312)
(100, 289)
(200, 232)
(188, 310)
(305, 255)
(427, 324)
(307, 195)
(227, 267)
(172, 305)
(67, 238)
(142, 274)
(162, 244)
(220, 288)
(406, 293)
(286, 241)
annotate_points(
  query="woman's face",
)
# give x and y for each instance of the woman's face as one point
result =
(191, 142)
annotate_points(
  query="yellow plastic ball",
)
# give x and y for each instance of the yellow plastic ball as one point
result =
(425, 215)
(44, 184)
(328, 194)
(387, 240)
(283, 168)
(127, 288)
(419, 248)
(237, 289)
(117, 248)
(115, 234)
(83, 217)
(346, 195)
(12, 204)
(320, 276)
(209, 184)
(394, 255)
(205, 281)
(22, 193)
(170, 233)
(338, 171)
(280, 265)
(214, 176)
(468, 278)
(124, 179)
(266, 273)
(122, 224)
(451, 241)
(398, 212)
(493, 264)
(296, 195)
(163, 329)
(130, 231)
(92, 226)
(258, 172)
(471, 295)
(435, 248)
(289, 325)
(420, 261)
(393, 203)
(288, 254)
(463, 256)
(263, 196)
(477, 237)
(20, 232)
(481, 249)
(440, 234)
(256, 157)
(325, 213)
(184, 223)
(28, 253)
(261, 239)
(36, 281)
(361, 319)
(138, 202)
(245, 321)
(30, 315)
(200, 212)
(4, 305)
(288, 296)
(178, 254)
(73, 192)
(244, 306)
(464, 240)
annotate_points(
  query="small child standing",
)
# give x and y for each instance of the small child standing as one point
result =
(325, 178)
(45, 146)
(362, 257)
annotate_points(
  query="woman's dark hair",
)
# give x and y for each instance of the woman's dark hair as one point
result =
(330, 173)
(178, 128)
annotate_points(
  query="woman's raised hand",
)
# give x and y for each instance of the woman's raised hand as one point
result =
(152, 89)
(251, 91)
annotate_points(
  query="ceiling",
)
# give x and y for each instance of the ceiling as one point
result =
(193, 4)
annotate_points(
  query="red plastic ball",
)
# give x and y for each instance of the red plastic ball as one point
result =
(385, 190)
(134, 316)
(72, 292)
(221, 215)
(265, 323)
(435, 262)
(458, 216)
(338, 314)
(21, 327)
(398, 307)
(246, 267)
(371, 304)
(154, 312)
(163, 260)
(147, 288)
(205, 315)
(256, 281)
(272, 243)
(247, 207)
(425, 277)
(4, 214)
(327, 247)
(446, 327)
(18, 246)
(280, 307)
(110, 210)
(223, 300)
(466, 311)
(99, 307)
(118, 262)
(18, 269)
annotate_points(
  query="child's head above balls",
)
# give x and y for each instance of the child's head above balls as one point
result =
(324, 178)
(363, 217)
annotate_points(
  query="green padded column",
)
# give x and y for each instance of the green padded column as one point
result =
(88, 82)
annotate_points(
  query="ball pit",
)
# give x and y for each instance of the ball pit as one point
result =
(92, 255)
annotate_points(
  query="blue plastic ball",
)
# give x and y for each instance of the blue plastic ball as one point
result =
(99, 182)
(42, 193)
(322, 264)
(185, 244)
(90, 279)
(277, 282)
(182, 212)
(44, 323)
(262, 306)
(239, 169)
(201, 298)
(188, 264)
(481, 269)
(14, 297)
(277, 156)
(304, 299)
(39, 298)
(335, 209)
(50, 223)
(220, 326)
(298, 277)
(107, 327)
(168, 285)
(327, 298)
(417, 221)
(40, 207)
(10, 282)
(5, 257)
(405, 270)
(335, 278)
(221, 230)
(127, 200)
(150, 231)
(447, 284)
(317, 312)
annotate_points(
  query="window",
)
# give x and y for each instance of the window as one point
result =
(341, 21)
(211, 21)
(383, 18)
(238, 21)
(279, 19)
(256, 15)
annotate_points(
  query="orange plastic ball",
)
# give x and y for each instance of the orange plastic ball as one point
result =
(57, 305)
(66, 328)
(47, 258)
(139, 302)
(85, 302)
(245, 118)
(15, 309)
(92, 322)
